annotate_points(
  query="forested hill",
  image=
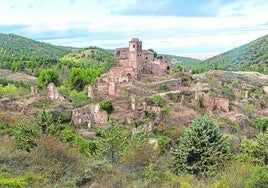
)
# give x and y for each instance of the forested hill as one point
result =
(252, 56)
(14, 45)
(91, 55)
(186, 62)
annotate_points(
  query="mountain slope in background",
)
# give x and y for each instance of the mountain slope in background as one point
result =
(252, 56)
(186, 62)
(91, 55)
(14, 45)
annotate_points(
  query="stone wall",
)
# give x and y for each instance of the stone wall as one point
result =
(33, 91)
(52, 92)
(90, 92)
(265, 90)
(211, 103)
(89, 114)
(11, 106)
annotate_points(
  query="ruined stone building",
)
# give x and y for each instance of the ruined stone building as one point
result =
(131, 63)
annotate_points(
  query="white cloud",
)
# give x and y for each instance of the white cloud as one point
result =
(237, 23)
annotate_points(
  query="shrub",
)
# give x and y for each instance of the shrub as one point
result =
(12, 182)
(255, 151)
(158, 100)
(164, 88)
(261, 124)
(259, 178)
(107, 106)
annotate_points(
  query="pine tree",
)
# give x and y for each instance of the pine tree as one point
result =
(202, 149)
(112, 143)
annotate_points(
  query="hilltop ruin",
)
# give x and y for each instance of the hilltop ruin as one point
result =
(131, 63)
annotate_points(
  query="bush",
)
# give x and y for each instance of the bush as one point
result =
(255, 151)
(261, 124)
(259, 178)
(164, 88)
(158, 100)
(106, 106)
(12, 182)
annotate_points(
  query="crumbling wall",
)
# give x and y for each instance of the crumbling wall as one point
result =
(53, 93)
(211, 103)
(89, 114)
(11, 106)
(33, 91)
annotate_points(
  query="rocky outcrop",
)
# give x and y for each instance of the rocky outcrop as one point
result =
(88, 115)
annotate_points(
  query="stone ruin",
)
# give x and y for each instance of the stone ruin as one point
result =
(89, 114)
(210, 103)
(131, 63)
(34, 91)
(140, 109)
(53, 93)
(11, 106)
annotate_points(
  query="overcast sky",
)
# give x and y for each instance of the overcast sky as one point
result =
(168, 26)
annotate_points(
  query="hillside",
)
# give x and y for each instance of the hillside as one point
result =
(91, 55)
(252, 56)
(186, 62)
(14, 45)
(88, 128)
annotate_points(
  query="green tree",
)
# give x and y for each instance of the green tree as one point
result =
(44, 120)
(25, 134)
(112, 142)
(255, 151)
(47, 76)
(79, 77)
(202, 148)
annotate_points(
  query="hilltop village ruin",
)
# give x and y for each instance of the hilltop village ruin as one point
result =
(131, 63)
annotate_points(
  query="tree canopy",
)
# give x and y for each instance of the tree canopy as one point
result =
(201, 149)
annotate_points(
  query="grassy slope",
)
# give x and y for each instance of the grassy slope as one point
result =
(15, 45)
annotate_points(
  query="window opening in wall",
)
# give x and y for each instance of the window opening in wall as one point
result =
(133, 45)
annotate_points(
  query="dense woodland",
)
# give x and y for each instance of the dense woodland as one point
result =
(48, 151)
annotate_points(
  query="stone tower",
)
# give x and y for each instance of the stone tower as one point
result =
(135, 48)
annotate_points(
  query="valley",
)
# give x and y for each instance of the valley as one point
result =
(92, 117)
